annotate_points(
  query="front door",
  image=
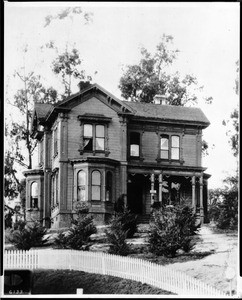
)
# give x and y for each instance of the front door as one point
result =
(135, 193)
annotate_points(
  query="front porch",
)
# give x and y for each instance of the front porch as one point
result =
(149, 189)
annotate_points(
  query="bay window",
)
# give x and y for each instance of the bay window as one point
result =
(96, 185)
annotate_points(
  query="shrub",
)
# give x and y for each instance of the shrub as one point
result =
(172, 230)
(116, 236)
(128, 222)
(224, 209)
(78, 236)
(25, 236)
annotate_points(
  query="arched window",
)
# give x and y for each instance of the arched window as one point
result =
(96, 185)
(175, 147)
(164, 147)
(109, 186)
(34, 195)
(81, 186)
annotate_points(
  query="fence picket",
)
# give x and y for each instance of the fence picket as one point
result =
(107, 264)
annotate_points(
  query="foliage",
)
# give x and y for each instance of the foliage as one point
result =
(8, 219)
(78, 236)
(67, 65)
(128, 221)
(224, 208)
(141, 82)
(116, 237)
(19, 133)
(28, 236)
(172, 230)
(67, 12)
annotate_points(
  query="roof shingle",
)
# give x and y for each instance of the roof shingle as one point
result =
(167, 112)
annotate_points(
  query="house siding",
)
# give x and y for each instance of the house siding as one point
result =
(74, 128)
(190, 150)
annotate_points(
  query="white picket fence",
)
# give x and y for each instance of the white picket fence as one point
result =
(107, 264)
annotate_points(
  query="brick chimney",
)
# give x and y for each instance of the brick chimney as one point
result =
(160, 99)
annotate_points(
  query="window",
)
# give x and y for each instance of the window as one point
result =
(34, 195)
(170, 147)
(96, 185)
(175, 147)
(109, 186)
(164, 147)
(99, 137)
(94, 137)
(88, 137)
(134, 144)
(41, 152)
(81, 186)
(54, 189)
(55, 138)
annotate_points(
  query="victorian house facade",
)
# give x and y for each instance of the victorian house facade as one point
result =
(95, 149)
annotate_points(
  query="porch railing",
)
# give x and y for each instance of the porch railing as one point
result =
(162, 277)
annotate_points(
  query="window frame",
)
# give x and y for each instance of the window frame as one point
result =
(55, 141)
(96, 185)
(81, 185)
(167, 150)
(175, 147)
(34, 201)
(170, 147)
(131, 144)
(94, 138)
(109, 187)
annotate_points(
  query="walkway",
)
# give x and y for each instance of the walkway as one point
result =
(213, 268)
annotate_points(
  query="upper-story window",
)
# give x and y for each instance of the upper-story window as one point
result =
(55, 141)
(134, 144)
(170, 147)
(96, 185)
(41, 152)
(175, 147)
(164, 147)
(94, 137)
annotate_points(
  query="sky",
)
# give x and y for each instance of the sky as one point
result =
(207, 35)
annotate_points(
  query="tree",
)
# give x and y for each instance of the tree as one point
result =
(233, 122)
(67, 12)
(68, 66)
(142, 81)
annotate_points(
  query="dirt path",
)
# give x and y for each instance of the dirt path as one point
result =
(213, 268)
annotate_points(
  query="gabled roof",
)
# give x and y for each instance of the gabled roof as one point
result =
(136, 110)
(168, 112)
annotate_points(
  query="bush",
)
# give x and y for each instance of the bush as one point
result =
(78, 236)
(25, 236)
(128, 222)
(172, 230)
(224, 209)
(116, 236)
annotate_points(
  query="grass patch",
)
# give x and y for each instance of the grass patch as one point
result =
(66, 282)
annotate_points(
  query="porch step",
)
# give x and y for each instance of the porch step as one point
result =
(143, 219)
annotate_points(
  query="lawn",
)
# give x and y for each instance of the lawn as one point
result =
(67, 282)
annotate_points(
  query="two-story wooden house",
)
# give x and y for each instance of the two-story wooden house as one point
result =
(95, 149)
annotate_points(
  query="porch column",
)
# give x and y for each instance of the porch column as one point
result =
(152, 178)
(201, 199)
(193, 192)
(160, 187)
